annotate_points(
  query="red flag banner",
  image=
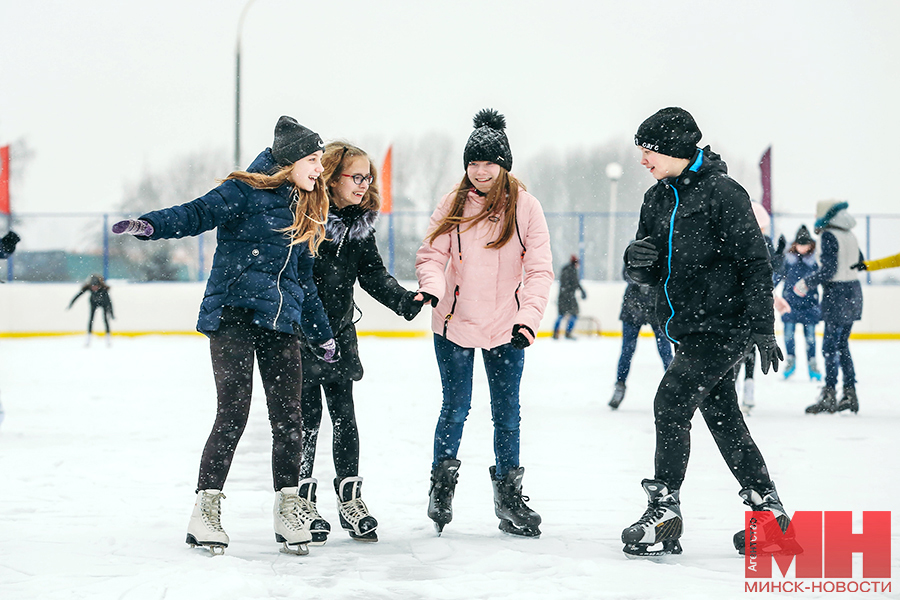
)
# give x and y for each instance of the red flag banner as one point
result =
(765, 170)
(4, 180)
(386, 204)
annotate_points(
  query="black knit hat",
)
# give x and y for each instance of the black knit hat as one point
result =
(488, 142)
(671, 131)
(803, 236)
(293, 141)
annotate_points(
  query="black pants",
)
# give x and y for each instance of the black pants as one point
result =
(345, 437)
(93, 309)
(702, 375)
(233, 347)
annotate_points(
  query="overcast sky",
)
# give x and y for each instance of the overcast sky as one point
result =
(103, 90)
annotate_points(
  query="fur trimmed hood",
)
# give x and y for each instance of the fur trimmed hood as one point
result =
(361, 223)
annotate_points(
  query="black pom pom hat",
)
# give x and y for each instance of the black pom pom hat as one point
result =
(488, 142)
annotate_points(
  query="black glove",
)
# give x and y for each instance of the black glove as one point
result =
(641, 253)
(583, 295)
(327, 351)
(860, 266)
(782, 244)
(9, 241)
(410, 307)
(522, 336)
(769, 352)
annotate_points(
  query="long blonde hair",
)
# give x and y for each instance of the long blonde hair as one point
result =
(337, 155)
(310, 208)
(501, 201)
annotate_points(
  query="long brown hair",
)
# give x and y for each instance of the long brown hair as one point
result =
(501, 201)
(310, 208)
(337, 155)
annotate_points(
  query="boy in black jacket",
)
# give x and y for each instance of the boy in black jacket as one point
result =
(699, 244)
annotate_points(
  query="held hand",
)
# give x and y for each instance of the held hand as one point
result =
(801, 289)
(769, 352)
(522, 336)
(860, 266)
(328, 351)
(641, 253)
(424, 297)
(134, 227)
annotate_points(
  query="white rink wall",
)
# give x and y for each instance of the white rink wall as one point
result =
(40, 308)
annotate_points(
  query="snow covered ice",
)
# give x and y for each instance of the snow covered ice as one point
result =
(100, 448)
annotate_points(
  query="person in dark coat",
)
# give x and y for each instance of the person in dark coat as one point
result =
(566, 302)
(348, 254)
(638, 307)
(99, 298)
(269, 221)
(842, 302)
(800, 263)
(699, 245)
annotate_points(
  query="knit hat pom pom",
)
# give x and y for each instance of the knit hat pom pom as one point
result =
(488, 117)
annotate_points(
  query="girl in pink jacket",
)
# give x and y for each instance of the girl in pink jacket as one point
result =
(486, 267)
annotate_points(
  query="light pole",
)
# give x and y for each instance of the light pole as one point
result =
(613, 173)
(237, 88)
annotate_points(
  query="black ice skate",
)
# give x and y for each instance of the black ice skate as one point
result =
(660, 524)
(509, 505)
(827, 402)
(440, 496)
(849, 401)
(772, 536)
(309, 515)
(354, 515)
(205, 527)
(618, 395)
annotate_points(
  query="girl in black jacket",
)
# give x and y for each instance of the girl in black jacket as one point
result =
(348, 254)
(99, 298)
(260, 295)
(700, 246)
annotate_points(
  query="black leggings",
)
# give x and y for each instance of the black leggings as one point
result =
(345, 445)
(94, 308)
(233, 347)
(702, 375)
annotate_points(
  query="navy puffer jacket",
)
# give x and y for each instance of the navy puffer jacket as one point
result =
(254, 267)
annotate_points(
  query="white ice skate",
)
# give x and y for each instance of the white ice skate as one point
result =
(748, 401)
(289, 528)
(205, 527)
(354, 515)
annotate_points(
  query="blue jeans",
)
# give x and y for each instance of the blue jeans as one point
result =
(836, 352)
(503, 365)
(809, 332)
(630, 333)
(570, 324)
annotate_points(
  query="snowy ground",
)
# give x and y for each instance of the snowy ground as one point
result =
(100, 448)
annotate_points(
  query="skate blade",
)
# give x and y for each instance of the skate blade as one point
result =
(214, 548)
(439, 528)
(643, 550)
(294, 549)
(369, 537)
(508, 527)
(319, 538)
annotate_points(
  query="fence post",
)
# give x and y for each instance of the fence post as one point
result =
(105, 246)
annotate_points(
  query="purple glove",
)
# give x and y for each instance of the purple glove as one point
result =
(134, 227)
(328, 351)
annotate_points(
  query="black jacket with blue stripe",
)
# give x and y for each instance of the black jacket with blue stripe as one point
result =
(713, 273)
(254, 266)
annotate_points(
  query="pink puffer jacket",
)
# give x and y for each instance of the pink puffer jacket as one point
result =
(482, 292)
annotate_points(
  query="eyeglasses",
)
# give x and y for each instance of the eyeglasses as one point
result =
(358, 179)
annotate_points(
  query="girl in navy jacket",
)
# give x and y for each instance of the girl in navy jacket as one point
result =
(799, 263)
(260, 294)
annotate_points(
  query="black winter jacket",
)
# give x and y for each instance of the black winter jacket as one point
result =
(254, 267)
(349, 253)
(566, 302)
(713, 273)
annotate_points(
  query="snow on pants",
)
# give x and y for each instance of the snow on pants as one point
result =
(503, 366)
(702, 375)
(836, 353)
(630, 332)
(233, 347)
(345, 437)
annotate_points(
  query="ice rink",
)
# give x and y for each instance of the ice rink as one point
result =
(100, 447)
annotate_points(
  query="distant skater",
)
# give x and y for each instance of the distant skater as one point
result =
(566, 302)
(99, 298)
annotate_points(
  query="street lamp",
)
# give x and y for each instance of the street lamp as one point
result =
(237, 88)
(613, 173)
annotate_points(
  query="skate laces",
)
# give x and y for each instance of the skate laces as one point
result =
(653, 513)
(308, 510)
(354, 509)
(211, 510)
(289, 511)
